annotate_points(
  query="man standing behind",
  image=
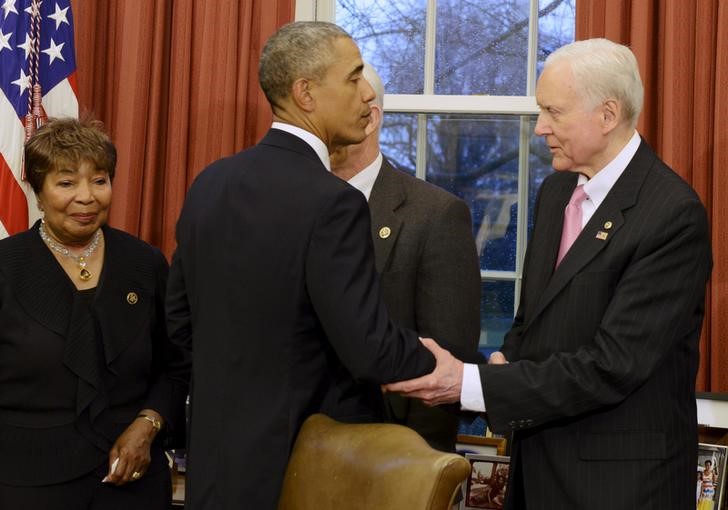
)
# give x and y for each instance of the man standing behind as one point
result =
(273, 284)
(597, 374)
(426, 257)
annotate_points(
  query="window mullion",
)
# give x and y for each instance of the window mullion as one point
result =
(429, 88)
(532, 49)
(430, 44)
(523, 155)
(325, 10)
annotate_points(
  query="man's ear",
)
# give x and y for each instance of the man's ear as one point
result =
(301, 95)
(375, 119)
(611, 114)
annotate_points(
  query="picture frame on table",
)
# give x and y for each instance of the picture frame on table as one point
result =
(711, 476)
(480, 444)
(485, 488)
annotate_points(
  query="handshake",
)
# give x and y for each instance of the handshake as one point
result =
(444, 384)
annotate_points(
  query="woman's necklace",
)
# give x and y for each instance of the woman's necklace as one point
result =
(84, 274)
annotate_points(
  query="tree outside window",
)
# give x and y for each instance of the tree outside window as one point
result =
(459, 77)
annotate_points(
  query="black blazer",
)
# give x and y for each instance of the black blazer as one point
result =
(60, 410)
(273, 286)
(430, 279)
(604, 350)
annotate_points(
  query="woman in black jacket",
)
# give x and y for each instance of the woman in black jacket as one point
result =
(89, 383)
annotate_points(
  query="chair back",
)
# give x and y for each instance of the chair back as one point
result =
(377, 466)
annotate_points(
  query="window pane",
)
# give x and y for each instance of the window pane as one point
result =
(496, 313)
(398, 140)
(555, 26)
(476, 158)
(482, 47)
(391, 36)
(539, 161)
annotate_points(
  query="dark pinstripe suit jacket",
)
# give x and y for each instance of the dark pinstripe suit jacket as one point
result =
(600, 390)
(430, 280)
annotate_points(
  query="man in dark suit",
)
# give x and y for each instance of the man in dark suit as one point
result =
(273, 284)
(597, 375)
(426, 258)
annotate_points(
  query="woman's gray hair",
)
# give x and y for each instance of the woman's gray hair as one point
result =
(302, 49)
(604, 69)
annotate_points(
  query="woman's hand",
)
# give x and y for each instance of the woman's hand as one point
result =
(130, 456)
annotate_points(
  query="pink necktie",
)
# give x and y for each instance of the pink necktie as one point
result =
(572, 222)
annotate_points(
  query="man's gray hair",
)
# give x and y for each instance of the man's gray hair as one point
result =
(604, 69)
(370, 74)
(303, 49)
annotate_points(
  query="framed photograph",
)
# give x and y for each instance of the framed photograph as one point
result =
(710, 486)
(482, 445)
(486, 486)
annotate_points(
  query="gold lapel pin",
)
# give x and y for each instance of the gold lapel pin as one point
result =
(132, 298)
(385, 232)
(602, 235)
(608, 225)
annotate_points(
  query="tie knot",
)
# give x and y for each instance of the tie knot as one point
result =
(578, 196)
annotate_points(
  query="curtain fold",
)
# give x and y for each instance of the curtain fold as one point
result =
(682, 50)
(176, 85)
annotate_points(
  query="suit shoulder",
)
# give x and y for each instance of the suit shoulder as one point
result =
(13, 249)
(663, 177)
(18, 240)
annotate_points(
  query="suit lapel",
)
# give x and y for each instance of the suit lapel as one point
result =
(387, 195)
(124, 296)
(608, 219)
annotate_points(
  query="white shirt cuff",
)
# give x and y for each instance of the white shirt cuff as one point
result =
(471, 393)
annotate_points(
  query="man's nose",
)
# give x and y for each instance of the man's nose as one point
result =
(541, 128)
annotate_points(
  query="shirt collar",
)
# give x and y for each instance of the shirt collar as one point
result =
(314, 141)
(598, 186)
(364, 180)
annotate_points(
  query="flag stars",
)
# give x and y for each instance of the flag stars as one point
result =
(4, 38)
(59, 16)
(8, 7)
(23, 82)
(54, 51)
(27, 45)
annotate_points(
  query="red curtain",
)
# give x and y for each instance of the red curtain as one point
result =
(682, 49)
(176, 84)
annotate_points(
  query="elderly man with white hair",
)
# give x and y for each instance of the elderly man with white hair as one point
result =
(596, 378)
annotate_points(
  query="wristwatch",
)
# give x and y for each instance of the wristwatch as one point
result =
(156, 424)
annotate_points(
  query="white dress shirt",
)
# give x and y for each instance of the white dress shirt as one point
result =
(596, 188)
(364, 180)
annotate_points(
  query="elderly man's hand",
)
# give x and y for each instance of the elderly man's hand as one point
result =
(442, 386)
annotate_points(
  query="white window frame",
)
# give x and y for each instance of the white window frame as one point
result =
(430, 103)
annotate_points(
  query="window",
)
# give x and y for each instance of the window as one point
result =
(459, 77)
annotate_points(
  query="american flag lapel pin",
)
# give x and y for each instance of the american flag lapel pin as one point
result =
(602, 235)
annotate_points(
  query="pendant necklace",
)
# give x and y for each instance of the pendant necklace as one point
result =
(84, 274)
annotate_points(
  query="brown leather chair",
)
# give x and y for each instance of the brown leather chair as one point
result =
(337, 466)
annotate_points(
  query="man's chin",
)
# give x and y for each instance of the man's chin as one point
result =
(561, 165)
(352, 138)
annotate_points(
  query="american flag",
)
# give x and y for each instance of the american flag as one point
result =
(55, 73)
